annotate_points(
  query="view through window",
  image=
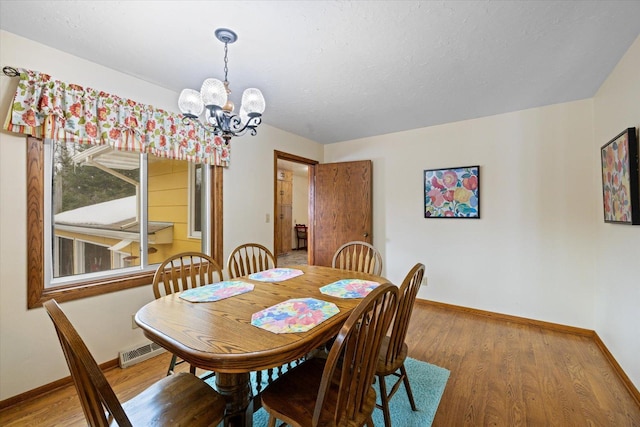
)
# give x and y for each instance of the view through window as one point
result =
(98, 214)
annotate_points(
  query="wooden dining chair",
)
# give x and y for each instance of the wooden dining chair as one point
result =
(198, 403)
(184, 271)
(393, 351)
(248, 259)
(338, 390)
(358, 256)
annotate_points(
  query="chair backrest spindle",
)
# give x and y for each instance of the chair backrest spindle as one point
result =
(184, 271)
(248, 259)
(358, 256)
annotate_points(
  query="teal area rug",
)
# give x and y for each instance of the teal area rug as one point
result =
(427, 383)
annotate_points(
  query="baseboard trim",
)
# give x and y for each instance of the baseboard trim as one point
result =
(550, 326)
(616, 367)
(48, 388)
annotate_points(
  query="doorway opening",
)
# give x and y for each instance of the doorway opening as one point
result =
(292, 209)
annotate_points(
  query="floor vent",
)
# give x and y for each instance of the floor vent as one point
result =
(138, 354)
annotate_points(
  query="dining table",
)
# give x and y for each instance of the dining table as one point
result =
(233, 336)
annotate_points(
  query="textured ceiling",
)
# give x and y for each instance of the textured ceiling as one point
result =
(339, 70)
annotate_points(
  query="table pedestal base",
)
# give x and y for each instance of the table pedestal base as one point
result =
(236, 389)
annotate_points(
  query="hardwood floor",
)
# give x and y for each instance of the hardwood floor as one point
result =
(503, 373)
(507, 373)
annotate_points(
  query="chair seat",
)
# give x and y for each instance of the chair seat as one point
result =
(200, 405)
(387, 368)
(292, 397)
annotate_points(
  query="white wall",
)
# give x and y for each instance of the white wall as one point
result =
(30, 355)
(531, 253)
(541, 249)
(617, 292)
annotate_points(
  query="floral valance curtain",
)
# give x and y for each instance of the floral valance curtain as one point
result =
(48, 108)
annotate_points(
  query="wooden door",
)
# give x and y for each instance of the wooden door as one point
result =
(286, 192)
(287, 229)
(342, 207)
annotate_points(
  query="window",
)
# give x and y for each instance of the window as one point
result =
(111, 217)
(96, 205)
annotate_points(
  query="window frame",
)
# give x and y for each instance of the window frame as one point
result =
(192, 233)
(36, 291)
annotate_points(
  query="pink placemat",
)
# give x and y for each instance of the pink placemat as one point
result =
(294, 315)
(217, 291)
(349, 288)
(276, 275)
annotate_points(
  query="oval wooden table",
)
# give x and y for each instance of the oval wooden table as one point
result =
(219, 336)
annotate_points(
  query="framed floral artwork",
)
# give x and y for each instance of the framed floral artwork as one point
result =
(620, 195)
(452, 192)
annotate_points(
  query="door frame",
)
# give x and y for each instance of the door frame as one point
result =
(281, 155)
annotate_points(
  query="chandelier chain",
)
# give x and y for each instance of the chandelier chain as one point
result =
(226, 63)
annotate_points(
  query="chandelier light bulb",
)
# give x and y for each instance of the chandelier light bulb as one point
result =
(213, 92)
(253, 101)
(190, 103)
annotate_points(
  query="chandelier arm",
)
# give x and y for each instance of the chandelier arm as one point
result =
(230, 125)
(216, 113)
(235, 123)
(251, 126)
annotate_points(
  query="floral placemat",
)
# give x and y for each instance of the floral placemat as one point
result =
(217, 291)
(276, 274)
(294, 315)
(349, 288)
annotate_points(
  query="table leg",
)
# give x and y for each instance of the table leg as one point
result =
(236, 389)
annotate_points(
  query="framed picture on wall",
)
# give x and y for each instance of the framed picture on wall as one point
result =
(452, 192)
(620, 193)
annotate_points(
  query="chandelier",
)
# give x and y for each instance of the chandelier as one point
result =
(213, 98)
